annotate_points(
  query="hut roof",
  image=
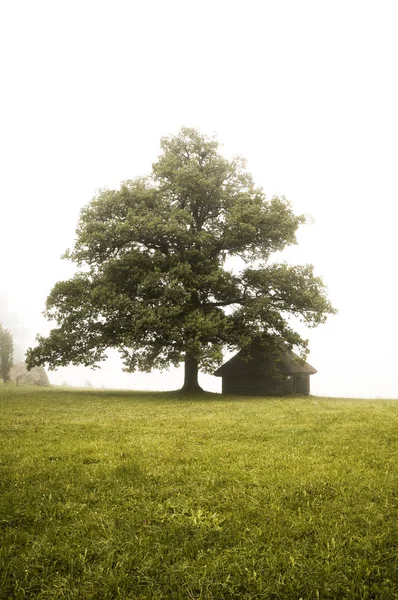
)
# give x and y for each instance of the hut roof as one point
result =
(288, 364)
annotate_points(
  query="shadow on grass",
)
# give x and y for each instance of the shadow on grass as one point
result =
(113, 393)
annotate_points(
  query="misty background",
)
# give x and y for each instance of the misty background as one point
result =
(305, 91)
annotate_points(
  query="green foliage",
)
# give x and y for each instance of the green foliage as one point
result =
(154, 283)
(6, 353)
(149, 496)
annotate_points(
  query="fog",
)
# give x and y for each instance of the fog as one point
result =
(305, 91)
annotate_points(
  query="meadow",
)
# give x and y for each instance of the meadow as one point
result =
(155, 496)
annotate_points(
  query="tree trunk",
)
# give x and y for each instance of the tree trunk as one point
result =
(191, 384)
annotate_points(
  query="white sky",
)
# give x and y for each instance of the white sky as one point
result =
(306, 91)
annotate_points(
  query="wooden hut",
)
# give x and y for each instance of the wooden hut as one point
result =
(257, 375)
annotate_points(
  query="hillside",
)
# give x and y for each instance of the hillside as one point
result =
(146, 495)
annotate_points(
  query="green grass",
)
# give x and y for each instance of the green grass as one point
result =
(145, 495)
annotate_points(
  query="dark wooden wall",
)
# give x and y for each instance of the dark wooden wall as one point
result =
(252, 385)
(302, 384)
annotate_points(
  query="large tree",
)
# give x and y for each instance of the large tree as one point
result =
(154, 280)
(6, 353)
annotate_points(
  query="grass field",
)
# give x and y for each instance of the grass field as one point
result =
(145, 495)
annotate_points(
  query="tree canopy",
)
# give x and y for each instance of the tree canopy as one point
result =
(154, 280)
(6, 353)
